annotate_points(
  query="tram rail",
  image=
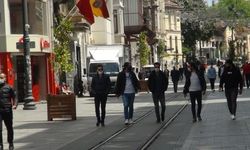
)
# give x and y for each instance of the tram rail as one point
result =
(95, 147)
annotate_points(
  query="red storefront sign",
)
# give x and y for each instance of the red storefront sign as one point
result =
(44, 44)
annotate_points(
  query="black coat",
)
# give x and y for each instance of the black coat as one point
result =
(6, 95)
(121, 82)
(201, 77)
(232, 78)
(175, 75)
(100, 85)
(152, 83)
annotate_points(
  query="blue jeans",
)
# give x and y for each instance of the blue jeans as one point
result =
(128, 104)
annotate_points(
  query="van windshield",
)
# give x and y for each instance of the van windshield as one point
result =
(109, 68)
(148, 70)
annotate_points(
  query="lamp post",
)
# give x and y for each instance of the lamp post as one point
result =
(28, 100)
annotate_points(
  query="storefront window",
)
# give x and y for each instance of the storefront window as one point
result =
(37, 17)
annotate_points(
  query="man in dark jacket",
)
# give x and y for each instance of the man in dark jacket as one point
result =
(233, 81)
(7, 103)
(126, 86)
(158, 84)
(175, 75)
(100, 87)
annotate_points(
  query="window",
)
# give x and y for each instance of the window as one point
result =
(115, 21)
(176, 44)
(169, 21)
(37, 17)
(175, 22)
(170, 41)
(109, 68)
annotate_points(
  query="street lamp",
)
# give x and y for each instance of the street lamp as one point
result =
(28, 100)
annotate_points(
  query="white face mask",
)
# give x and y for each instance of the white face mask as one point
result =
(2, 81)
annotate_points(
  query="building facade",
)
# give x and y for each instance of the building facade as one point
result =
(11, 41)
(173, 37)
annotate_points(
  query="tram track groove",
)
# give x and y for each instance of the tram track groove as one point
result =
(161, 129)
(95, 147)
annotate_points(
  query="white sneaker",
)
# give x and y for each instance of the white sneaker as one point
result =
(130, 121)
(233, 117)
(126, 122)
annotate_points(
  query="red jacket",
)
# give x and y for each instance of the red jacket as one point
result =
(246, 68)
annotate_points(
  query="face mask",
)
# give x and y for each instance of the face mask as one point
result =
(2, 81)
(100, 72)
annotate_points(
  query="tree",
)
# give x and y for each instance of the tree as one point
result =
(195, 25)
(143, 49)
(63, 59)
(231, 52)
(236, 14)
(160, 49)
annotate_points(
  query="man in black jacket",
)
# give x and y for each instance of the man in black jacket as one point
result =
(7, 103)
(233, 81)
(100, 87)
(175, 75)
(126, 86)
(158, 84)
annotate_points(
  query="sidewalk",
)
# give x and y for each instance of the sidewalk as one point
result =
(32, 131)
(217, 131)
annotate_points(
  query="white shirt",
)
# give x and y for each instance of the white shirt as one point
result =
(194, 83)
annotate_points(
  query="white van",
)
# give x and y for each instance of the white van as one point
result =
(148, 69)
(110, 68)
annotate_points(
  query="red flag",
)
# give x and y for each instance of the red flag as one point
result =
(86, 10)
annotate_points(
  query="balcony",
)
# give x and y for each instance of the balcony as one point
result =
(137, 17)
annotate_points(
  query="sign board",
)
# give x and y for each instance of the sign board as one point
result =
(19, 45)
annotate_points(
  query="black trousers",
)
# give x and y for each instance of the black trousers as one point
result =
(231, 95)
(100, 99)
(196, 96)
(7, 117)
(212, 80)
(247, 78)
(159, 97)
(175, 83)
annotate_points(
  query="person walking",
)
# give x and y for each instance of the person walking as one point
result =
(100, 86)
(220, 72)
(166, 71)
(246, 73)
(126, 86)
(211, 75)
(181, 70)
(233, 84)
(8, 102)
(175, 75)
(195, 85)
(158, 84)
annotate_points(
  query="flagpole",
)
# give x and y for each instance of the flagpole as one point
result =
(70, 12)
(67, 16)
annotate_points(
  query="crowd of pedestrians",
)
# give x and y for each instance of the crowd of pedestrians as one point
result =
(230, 79)
(195, 84)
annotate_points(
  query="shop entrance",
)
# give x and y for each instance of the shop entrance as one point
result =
(20, 78)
